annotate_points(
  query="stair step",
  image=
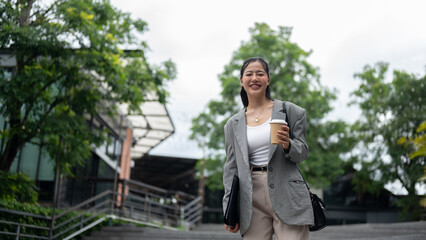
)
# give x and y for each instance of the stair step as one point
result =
(160, 234)
(146, 233)
(160, 238)
(163, 238)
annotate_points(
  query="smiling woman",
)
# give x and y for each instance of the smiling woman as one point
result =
(269, 205)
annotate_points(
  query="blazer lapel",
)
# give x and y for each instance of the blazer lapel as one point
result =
(240, 131)
(277, 113)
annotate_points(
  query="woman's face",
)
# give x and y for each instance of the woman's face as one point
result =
(255, 79)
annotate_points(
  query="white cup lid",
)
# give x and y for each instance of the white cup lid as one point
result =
(281, 121)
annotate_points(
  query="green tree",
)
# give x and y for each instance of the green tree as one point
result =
(70, 66)
(294, 79)
(419, 150)
(391, 110)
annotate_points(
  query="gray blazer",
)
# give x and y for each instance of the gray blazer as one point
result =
(287, 191)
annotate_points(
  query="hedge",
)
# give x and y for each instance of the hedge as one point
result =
(38, 210)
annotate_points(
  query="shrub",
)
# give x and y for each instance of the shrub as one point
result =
(17, 187)
(32, 220)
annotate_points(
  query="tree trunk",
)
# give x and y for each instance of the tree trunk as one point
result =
(13, 145)
(24, 18)
(16, 141)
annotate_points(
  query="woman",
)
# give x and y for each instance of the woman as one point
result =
(273, 198)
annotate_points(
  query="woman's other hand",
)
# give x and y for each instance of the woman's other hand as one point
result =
(232, 230)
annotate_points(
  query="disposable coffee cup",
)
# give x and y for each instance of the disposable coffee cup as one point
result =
(276, 124)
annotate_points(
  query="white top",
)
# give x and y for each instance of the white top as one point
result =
(258, 139)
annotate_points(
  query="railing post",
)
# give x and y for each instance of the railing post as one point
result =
(112, 202)
(18, 231)
(52, 223)
(123, 188)
(164, 216)
(81, 221)
(145, 207)
(148, 215)
(182, 216)
(55, 196)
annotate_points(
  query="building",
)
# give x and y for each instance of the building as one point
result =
(131, 137)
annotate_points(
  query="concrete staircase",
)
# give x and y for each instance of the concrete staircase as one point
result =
(204, 232)
(390, 231)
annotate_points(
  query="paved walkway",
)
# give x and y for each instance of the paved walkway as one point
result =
(390, 231)
(393, 231)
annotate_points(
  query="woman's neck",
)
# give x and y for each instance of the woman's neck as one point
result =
(258, 103)
(258, 112)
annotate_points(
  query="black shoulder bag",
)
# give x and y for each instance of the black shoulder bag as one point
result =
(318, 205)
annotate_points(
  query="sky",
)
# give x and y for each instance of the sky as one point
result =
(200, 37)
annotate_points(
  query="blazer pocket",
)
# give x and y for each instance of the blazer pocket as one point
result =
(300, 200)
(299, 193)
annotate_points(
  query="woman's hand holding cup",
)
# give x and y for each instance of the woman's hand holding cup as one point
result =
(280, 133)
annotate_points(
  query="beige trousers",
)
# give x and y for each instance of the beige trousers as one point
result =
(264, 222)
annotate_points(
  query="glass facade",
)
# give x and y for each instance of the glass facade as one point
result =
(112, 148)
(29, 160)
(91, 178)
(34, 161)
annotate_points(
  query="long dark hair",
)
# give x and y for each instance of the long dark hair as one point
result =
(243, 92)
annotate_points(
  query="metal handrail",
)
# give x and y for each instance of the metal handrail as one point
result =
(25, 225)
(194, 209)
(24, 213)
(18, 234)
(183, 215)
(78, 224)
(167, 193)
(85, 228)
(138, 206)
(26, 235)
(81, 214)
(92, 199)
(193, 202)
(152, 210)
(151, 202)
(147, 186)
(90, 210)
(191, 213)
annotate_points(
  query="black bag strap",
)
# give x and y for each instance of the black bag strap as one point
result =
(286, 118)
(291, 136)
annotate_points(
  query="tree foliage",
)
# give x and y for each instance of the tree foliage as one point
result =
(69, 66)
(19, 188)
(418, 143)
(293, 79)
(391, 113)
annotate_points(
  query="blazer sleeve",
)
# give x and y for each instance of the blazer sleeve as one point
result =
(299, 149)
(230, 167)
